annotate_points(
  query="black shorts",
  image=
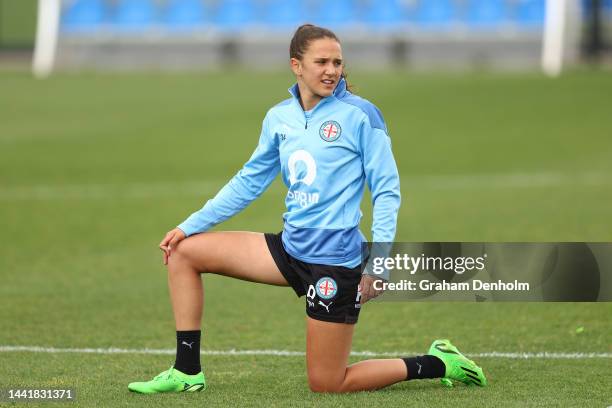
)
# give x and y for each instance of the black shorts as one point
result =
(331, 291)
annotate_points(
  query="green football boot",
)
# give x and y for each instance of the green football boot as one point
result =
(171, 380)
(458, 366)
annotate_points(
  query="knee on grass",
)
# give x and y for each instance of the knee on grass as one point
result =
(320, 384)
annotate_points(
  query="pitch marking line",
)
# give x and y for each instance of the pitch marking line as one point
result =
(201, 188)
(287, 353)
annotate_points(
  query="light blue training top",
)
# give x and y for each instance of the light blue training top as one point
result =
(325, 156)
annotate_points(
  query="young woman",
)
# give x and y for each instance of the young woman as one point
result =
(326, 143)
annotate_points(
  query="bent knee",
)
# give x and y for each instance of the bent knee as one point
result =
(320, 384)
(186, 253)
(199, 252)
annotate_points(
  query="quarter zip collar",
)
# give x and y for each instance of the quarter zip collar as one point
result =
(339, 91)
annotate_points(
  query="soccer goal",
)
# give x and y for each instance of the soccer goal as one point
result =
(559, 40)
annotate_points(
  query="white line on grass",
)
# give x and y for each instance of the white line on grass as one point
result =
(204, 188)
(107, 191)
(509, 180)
(287, 353)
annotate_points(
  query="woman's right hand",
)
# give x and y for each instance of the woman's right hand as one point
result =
(170, 241)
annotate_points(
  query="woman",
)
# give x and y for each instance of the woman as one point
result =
(327, 143)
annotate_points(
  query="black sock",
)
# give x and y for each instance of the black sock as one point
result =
(427, 366)
(188, 352)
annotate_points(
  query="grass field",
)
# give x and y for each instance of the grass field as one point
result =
(17, 23)
(94, 169)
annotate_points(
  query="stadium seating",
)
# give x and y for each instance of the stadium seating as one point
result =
(530, 13)
(435, 13)
(84, 15)
(134, 15)
(333, 13)
(233, 15)
(284, 13)
(240, 15)
(384, 13)
(485, 13)
(184, 14)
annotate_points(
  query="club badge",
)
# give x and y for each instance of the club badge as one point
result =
(326, 288)
(330, 131)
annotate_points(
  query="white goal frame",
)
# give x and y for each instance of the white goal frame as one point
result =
(560, 14)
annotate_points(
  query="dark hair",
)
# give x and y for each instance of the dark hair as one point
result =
(304, 35)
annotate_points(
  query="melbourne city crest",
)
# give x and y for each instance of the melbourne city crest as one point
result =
(326, 288)
(330, 131)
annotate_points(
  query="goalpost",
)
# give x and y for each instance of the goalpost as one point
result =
(47, 30)
(560, 14)
(560, 32)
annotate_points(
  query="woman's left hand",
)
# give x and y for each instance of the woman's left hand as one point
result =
(366, 287)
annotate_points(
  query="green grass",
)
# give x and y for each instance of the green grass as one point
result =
(94, 169)
(266, 381)
(17, 22)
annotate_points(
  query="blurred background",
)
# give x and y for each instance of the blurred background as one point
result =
(150, 106)
(204, 34)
